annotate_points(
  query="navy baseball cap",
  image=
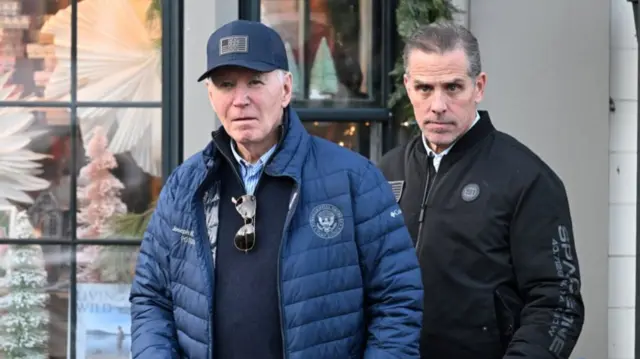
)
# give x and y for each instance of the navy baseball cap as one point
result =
(248, 44)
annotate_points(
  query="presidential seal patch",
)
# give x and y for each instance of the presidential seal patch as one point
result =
(397, 187)
(326, 221)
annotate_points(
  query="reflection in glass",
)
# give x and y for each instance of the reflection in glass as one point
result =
(120, 173)
(331, 57)
(106, 264)
(25, 52)
(105, 274)
(119, 60)
(33, 299)
(118, 50)
(34, 168)
(345, 134)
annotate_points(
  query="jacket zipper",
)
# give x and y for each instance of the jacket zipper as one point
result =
(423, 209)
(290, 213)
(206, 246)
(287, 222)
(209, 257)
(209, 262)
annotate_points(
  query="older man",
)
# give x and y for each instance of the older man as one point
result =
(272, 243)
(490, 220)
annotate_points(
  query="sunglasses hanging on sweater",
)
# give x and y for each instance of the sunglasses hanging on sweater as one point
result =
(245, 238)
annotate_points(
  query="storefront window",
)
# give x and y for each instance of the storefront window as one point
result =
(351, 135)
(73, 157)
(35, 297)
(118, 63)
(333, 55)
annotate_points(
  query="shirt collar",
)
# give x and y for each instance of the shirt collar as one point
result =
(443, 153)
(263, 159)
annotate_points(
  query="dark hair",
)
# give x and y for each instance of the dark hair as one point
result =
(443, 36)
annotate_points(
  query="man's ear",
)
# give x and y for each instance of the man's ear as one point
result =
(210, 93)
(405, 80)
(481, 84)
(287, 89)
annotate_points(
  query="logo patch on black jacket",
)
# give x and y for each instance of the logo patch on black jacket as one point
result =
(470, 192)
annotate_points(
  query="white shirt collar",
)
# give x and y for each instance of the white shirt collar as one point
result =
(245, 164)
(437, 157)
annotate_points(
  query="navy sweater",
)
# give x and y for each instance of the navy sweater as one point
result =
(246, 310)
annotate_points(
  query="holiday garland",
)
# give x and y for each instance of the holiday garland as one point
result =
(410, 15)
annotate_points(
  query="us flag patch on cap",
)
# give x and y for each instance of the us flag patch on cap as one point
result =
(397, 187)
(234, 45)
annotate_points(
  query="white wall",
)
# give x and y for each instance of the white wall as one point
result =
(201, 18)
(622, 176)
(548, 74)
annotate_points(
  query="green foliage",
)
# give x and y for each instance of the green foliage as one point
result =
(132, 225)
(154, 15)
(155, 10)
(114, 264)
(410, 15)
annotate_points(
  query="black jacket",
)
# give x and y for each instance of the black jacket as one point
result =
(496, 248)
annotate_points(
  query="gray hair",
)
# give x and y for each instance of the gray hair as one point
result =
(441, 37)
(281, 75)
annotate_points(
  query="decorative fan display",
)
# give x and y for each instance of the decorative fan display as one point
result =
(118, 60)
(19, 168)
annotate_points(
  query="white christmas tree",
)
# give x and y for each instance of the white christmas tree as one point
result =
(324, 78)
(295, 71)
(24, 319)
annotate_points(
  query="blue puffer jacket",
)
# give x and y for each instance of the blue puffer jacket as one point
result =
(357, 295)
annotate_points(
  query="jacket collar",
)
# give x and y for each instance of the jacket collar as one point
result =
(289, 155)
(467, 142)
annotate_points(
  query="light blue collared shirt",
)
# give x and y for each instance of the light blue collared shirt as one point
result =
(437, 157)
(250, 172)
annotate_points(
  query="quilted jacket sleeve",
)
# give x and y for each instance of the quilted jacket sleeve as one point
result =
(393, 283)
(153, 334)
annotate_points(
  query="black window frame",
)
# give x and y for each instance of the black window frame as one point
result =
(172, 112)
(384, 37)
(636, 21)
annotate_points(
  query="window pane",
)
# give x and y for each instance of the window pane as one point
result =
(35, 160)
(27, 56)
(36, 164)
(105, 274)
(118, 51)
(113, 264)
(121, 172)
(333, 55)
(352, 135)
(34, 298)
